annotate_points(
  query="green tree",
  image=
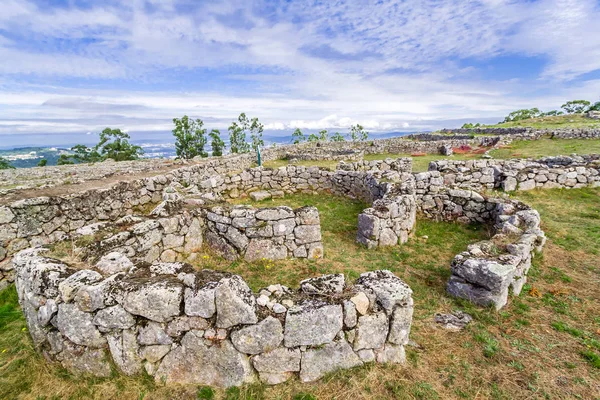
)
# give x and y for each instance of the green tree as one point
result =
(337, 137)
(115, 144)
(323, 135)
(190, 137)
(313, 138)
(256, 131)
(5, 164)
(358, 133)
(520, 115)
(42, 162)
(298, 136)
(217, 144)
(237, 135)
(595, 106)
(467, 126)
(575, 106)
(552, 113)
(65, 159)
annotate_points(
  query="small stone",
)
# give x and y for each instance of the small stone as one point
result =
(278, 308)
(113, 263)
(361, 301)
(453, 322)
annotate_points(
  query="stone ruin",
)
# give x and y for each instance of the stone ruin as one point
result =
(141, 304)
(181, 325)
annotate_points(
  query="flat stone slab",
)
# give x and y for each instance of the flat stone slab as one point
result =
(260, 195)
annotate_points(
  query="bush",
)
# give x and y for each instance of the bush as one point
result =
(5, 164)
(42, 162)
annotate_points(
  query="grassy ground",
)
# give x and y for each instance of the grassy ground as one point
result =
(544, 344)
(560, 121)
(547, 147)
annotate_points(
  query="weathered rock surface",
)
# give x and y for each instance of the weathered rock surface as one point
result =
(265, 336)
(235, 303)
(195, 363)
(333, 356)
(312, 323)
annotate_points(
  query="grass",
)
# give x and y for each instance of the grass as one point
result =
(547, 147)
(544, 344)
(557, 122)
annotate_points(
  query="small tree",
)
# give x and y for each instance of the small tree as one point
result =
(217, 144)
(190, 138)
(576, 106)
(358, 133)
(337, 137)
(42, 162)
(552, 113)
(65, 159)
(313, 138)
(520, 115)
(323, 135)
(256, 131)
(237, 135)
(298, 136)
(5, 164)
(115, 144)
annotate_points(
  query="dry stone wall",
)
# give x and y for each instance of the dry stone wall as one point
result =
(489, 270)
(232, 232)
(530, 133)
(547, 173)
(388, 222)
(207, 327)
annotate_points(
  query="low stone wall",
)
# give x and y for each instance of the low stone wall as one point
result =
(319, 153)
(530, 133)
(402, 164)
(518, 174)
(232, 232)
(489, 270)
(388, 222)
(207, 327)
(266, 233)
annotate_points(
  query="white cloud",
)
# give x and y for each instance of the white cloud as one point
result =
(410, 72)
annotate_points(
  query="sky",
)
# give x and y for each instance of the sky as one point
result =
(74, 67)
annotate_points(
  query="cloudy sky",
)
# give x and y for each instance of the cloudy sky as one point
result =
(77, 66)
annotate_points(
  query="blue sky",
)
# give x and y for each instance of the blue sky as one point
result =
(73, 67)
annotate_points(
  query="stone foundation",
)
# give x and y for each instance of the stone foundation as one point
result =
(207, 327)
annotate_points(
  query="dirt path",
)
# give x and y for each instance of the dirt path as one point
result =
(65, 189)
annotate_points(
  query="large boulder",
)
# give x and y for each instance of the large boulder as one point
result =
(124, 348)
(114, 317)
(196, 363)
(389, 290)
(262, 337)
(235, 303)
(265, 248)
(312, 323)
(277, 366)
(200, 302)
(78, 326)
(158, 299)
(316, 363)
(371, 332)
